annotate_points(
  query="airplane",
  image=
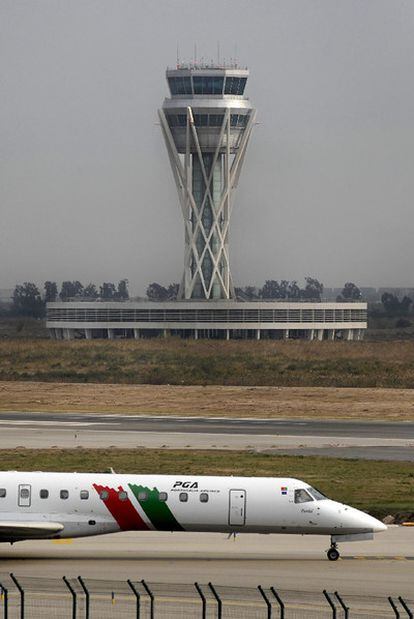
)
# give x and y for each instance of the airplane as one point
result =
(43, 505)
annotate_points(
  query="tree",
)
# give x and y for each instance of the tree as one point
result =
(172, 291)
(405, 306)
(157, 292)
(293, 291)
(350, 291)
(70, 290)
(393, 306)
(247, 293)
(122, 292)
(90, 291)
(27, 300)
(51, 291)
(270, 290)
(313, 289)
(107, 291)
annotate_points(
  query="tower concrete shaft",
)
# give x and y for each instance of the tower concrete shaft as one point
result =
(206, 125)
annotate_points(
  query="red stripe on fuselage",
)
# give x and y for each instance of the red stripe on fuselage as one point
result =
(124, 512)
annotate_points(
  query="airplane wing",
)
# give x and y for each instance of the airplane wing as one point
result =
(25, 530)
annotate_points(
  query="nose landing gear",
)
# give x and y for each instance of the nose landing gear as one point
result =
(333, 552)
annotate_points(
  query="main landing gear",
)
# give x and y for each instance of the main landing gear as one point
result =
(333, 552)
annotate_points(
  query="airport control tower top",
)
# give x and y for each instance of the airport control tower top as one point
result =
(206, 123)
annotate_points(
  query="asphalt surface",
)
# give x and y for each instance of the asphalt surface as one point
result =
(214, 425)
(384, 566)
(368, 440)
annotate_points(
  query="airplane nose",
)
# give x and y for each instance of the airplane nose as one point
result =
(369, 522)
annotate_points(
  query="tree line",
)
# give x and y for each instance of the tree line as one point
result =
(28, 300)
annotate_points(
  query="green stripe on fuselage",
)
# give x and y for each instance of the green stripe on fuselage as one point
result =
(157, 511)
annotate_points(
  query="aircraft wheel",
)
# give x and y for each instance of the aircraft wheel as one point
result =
(333, 554)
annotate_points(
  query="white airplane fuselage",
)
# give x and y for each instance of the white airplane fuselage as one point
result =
(65, 505)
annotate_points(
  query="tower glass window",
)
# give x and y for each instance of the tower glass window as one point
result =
(235, 85)
(208, 85)
(180, 85)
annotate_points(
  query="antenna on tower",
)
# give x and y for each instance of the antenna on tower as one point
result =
(195, 53)
(218, 53)
(178, 55)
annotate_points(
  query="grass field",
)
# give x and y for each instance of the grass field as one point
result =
(378, 487)
(210, 401)
(185, 362)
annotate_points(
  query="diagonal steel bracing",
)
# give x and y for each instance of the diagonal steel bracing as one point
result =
(206, 212)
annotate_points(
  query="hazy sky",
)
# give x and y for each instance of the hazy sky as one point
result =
(327, 189)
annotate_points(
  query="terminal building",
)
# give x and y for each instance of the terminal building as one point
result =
(207, 123)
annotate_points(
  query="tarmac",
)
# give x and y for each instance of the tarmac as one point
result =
(382, 567)
(369, 440)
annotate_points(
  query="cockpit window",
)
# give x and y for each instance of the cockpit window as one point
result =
(318, 496)
(302, 496)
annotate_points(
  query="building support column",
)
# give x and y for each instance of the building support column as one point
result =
(319, 334)
(257, 334)
(227, 334)
(331, 334)
(285, 334)
(88, 334)
(110, 334)
(136, 334)
(311, 333)
(196, 334)
(68, 334)
(165, 333)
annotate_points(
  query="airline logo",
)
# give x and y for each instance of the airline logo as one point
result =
(126, 513)
(283, 490)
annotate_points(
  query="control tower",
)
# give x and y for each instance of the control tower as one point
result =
(206, 123)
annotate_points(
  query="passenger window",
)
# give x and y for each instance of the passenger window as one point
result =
(301, 496)
(44, 494)
(142, 496)
(84, 495)
(163, 496)
(183, 497)
(122, 495)
(204, 497)
(24, 493)
(104, 495)
(64, 494)
(3, 493)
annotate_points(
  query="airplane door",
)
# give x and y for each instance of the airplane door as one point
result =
(237, 508)
(25, 495)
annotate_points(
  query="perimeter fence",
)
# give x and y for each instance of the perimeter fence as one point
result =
(79, 598)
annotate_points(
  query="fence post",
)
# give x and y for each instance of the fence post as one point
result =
(5, 596)
(136, 593)
(150, 593)
(21, 591)
(394, 608)
(73, 592)
(331, 604)
(279, 600)
(405, 607)
(87, 601)
(203, 600)
(268, 603)
(218, 599)
(342, 603)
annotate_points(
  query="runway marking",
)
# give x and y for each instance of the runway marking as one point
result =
(377, 558)
(33, 422)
